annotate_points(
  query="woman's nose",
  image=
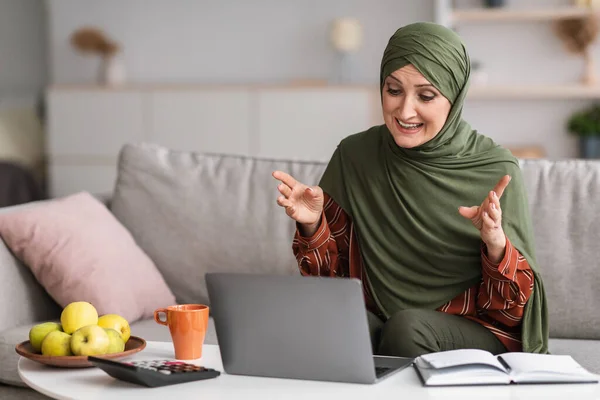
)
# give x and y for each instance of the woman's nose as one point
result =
(407, 109)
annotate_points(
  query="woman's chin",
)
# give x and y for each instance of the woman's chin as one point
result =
(407, 142)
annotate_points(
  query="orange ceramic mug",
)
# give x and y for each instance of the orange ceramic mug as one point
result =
(188, 324)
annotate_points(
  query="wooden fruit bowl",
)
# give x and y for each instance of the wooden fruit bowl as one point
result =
(134, 344)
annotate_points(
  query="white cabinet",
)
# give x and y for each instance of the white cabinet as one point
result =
(93, 124)
(86, 131)
(308, 124)
(209, 121)
(69, 178)
(88, 126)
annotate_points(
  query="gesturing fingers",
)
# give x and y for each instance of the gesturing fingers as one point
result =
(488, 222)
(469, 212)
(492, 215)
(501, 185)
(493, 202)
(287, 204)
(495, 213)
(285, 178)
(284, 190)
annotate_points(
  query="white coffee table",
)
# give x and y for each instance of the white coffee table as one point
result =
(93, 383)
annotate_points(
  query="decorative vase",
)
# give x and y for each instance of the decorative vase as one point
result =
(589, 146)
(589, 73)
(112, 71)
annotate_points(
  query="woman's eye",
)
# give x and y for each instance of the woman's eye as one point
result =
(393, 92)
(427, 98)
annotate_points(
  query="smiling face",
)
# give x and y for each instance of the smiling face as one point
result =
(413, 110)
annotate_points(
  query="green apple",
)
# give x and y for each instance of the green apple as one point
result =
(57, 343)
(78, 314)
(117, 344)
(39, 332)
(90, 340)
(116, 322)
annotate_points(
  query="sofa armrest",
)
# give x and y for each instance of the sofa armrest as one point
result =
(23, 299)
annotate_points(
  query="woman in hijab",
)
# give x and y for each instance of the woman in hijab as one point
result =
(430, 215)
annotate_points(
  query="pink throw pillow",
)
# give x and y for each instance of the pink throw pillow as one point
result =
(79, 251)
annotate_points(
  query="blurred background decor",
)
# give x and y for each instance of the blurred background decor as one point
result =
(192, 92)
(587, 3)
(578, 35)
(91, 40)
(479, 75)
(494, 3)
(22, 156)
(347, 38)
(586, 125)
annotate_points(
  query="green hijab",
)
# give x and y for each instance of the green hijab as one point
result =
(418, 251)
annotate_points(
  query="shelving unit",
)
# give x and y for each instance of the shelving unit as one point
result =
(533, 92)
(550, 104)
(446, 15)
(515, 15)
(485, 92)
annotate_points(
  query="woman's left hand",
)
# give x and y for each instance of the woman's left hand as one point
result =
(487, 218)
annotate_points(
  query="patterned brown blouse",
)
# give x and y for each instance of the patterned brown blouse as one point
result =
(497, 302)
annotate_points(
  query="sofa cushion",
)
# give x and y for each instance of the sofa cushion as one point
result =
(18, 287)
(28, 300)
(563, 197)
(147, 329)
(78, 251)
(198, 213)
(9, 357)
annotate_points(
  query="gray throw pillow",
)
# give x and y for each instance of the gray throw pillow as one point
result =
(196, 213)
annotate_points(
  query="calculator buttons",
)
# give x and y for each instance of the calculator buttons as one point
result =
(167, 367)
(154, 373)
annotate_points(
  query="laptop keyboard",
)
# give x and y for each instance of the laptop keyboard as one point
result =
(379, 371)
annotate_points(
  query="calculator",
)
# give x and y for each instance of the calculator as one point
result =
(154, 373)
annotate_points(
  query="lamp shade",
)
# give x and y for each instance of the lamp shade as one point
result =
(346, 34)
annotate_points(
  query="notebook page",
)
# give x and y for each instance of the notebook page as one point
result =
(453, 358)
(465, 375)
(520, 363)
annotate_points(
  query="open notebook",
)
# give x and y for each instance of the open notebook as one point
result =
(479, 367)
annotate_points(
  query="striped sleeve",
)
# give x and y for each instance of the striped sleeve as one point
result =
(505, 287)
(326, 252)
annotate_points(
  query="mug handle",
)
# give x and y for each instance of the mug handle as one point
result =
(157, 316)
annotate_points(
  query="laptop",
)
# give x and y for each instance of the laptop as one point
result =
(295, 327)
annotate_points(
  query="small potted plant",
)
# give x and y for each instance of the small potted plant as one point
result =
(494, 3)
(586, 125)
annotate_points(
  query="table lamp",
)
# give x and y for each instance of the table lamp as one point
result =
(346, 37)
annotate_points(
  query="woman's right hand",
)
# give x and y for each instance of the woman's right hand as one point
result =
(302, 203)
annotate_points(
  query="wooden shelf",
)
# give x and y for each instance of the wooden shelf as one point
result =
(534, 92)
(485, 92)
(515, 14)
(191, 86)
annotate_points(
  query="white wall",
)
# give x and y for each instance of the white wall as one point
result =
(233, 41)
(225, 40)
(23, 65)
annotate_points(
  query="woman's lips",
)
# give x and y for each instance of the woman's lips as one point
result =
(408, 130)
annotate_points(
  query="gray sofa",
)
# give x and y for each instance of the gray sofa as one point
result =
(198, 213)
